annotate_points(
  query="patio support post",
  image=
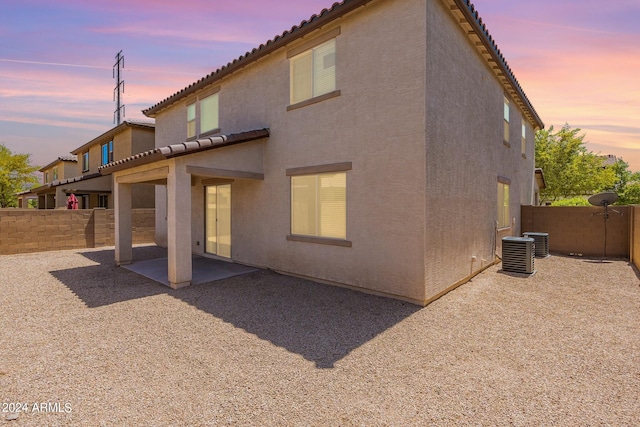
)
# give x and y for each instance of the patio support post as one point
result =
(179, 226)
(123, 238)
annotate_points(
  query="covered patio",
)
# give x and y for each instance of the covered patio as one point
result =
(179, 167)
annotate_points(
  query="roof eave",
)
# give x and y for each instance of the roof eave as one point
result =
(182, 149)
(111, 133)
(296, 32)
(471, 16)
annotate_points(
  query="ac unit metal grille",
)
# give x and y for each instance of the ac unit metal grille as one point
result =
(541, 241)
(518, 255)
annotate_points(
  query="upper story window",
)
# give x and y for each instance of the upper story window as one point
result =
(46, 177)
(85, 161)
(55, 173)
(523, 144)
(312, 70)
(506, 120)
(191, 120)
(107, 153)
(203, 114)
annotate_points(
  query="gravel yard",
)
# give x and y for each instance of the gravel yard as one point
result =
(85, 343)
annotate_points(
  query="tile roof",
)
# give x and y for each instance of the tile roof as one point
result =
(139, 123)
(183, 148)
(336, 11)
(314, 22)
(67, 158)
(493, 55)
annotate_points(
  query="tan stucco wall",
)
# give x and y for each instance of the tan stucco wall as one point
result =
(420, 118)
(380, 131)
(465, 155)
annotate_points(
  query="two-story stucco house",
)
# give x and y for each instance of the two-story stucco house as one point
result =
(78, 174)
(383, 145)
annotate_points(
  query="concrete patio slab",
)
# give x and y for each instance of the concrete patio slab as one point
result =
(205, 270)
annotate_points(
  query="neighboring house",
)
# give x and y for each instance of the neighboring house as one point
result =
(78, 174)
(383, 145)
(61, 168)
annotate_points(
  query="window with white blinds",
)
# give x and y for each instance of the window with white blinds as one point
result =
(503, 205)
(209, 113)
(313, 72)
(191, 120)
(319, 205)
(506, 120)
(523, 143)
(203, 114)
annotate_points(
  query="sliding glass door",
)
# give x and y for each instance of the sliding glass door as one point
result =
(218, 220)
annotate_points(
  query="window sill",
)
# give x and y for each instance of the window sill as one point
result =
(319, 240)
(209, 133)
(315, 100)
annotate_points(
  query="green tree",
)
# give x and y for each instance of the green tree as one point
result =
(630, 193)
(16, 175)
(569, 168)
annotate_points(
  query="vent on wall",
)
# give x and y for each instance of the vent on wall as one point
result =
(541, 241)
(518, 254)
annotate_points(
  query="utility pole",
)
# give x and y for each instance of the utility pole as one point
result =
(118, 114)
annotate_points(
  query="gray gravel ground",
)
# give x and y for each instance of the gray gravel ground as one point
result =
(102, 346)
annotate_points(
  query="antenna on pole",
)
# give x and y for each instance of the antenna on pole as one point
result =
(119, 89)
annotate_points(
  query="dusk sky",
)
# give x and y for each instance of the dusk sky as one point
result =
(578, 61)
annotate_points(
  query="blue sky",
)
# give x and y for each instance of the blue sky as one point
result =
(578, 61)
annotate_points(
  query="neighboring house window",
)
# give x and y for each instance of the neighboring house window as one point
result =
(203, 115)
(191, 120)
(46, 177)
(503, 204)
(319, 205)
(103, 200)
(313, 72)
(107, 153)
(523, 144)
(506, 120)
(55, 173)
(85, 161)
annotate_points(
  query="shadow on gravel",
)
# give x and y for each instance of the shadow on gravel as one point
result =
(322, 323)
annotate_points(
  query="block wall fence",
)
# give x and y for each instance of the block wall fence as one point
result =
(581, 230)
(572, 230)
(37, 230)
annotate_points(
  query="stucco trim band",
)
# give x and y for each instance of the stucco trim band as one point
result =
(308, 170)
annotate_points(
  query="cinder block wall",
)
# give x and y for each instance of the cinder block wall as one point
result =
(635, 235)
(31, 230)
(581, 229)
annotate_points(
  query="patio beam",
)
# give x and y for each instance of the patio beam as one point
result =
(223, 173)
